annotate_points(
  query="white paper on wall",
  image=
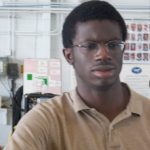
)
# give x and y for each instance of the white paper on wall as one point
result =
(137, 77)
(42, 75)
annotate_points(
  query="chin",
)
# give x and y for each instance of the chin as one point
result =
(104, 85)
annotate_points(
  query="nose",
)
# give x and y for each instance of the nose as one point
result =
(102, 53)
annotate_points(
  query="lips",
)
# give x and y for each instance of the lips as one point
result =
(103, 71)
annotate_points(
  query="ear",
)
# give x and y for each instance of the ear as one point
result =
(68, 55)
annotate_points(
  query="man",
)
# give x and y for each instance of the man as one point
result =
(102, 113)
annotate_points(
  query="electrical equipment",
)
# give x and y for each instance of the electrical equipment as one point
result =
(12, 70)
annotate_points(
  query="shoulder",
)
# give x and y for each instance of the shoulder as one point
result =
(43, 124)
(139, 97)
(43, 121)
(142, 102)
(135, 97)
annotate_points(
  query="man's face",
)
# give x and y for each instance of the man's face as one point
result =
(99, 69)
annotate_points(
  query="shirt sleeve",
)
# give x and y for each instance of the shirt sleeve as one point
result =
(32, 132)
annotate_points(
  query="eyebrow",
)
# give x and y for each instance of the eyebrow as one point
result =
(101, 42)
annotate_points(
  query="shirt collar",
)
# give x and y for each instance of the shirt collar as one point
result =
(78, 103)
(134, 106)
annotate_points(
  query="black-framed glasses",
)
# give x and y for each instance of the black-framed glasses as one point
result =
(93, 47)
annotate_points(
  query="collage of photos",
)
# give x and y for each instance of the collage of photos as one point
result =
(137, 48)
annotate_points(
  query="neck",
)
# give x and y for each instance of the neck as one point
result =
(108, 102)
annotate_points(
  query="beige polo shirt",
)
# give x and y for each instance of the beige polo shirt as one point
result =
(66, 123)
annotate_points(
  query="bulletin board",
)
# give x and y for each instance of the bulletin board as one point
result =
(137, 48)
(42, 75)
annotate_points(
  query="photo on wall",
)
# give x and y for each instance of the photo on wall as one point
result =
(137, 48)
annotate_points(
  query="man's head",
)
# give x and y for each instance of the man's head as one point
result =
(91, 10)
(93, 37)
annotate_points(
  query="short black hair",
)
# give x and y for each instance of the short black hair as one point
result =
(90, 10)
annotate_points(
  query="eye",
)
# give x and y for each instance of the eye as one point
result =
(114, 45)
(90, 45)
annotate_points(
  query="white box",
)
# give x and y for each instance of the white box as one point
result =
(3, 116)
